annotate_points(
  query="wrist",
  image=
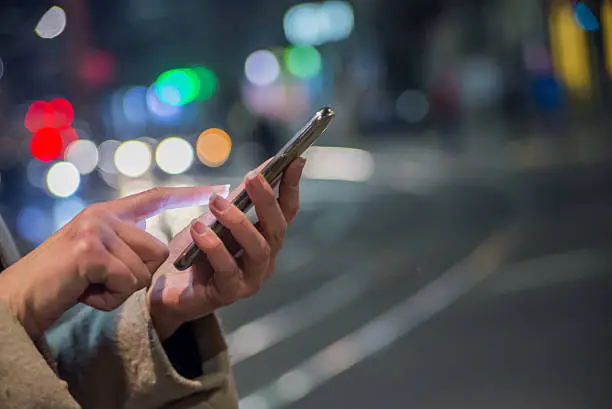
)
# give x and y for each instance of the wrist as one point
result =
(17, 299)
(164, 324)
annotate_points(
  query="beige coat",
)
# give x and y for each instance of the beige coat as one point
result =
(109, 361)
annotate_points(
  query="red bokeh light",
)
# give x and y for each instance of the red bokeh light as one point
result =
(63, 113)
(55, 114)
(97, 68)
(46, 144)
(68, 135)
(39, 115)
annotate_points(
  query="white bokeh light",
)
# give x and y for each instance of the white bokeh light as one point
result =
(174, 155)
(63, 179)
(84, 155)
(52, 23)
(262, 68)
(133, 158)
(107, 151)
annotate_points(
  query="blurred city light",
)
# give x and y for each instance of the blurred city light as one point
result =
(606, 23)
(34, 225)
(303, 61)
(46, 144)
(39, 115)
(135, 105)
(97, 68)
(585, 17)
(52, 23)
(174, 155)
(262, 68)
(106, 152)
(65, 210)
(36, 172)
(318, 23)
(213, 147)
(569, 49)
(57, 113)
(177, 87)
(68, 135)
(133, 158)
(159, 108)
(1, 68)
(63, 179)
(184, 85)
(412, 106)
(208, 83)
(84, 155)
(335, 163)
(62, 112)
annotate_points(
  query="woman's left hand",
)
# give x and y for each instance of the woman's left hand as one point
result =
(176, 297)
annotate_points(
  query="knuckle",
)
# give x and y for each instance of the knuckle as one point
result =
(160, 194)
(161, 253)
(262, 255)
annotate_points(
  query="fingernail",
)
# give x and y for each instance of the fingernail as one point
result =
(219, 203)
(252, 175)
(200, 227)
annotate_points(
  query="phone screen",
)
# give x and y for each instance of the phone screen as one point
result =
(272, 172)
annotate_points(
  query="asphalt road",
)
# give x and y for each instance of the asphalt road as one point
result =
(479, 294)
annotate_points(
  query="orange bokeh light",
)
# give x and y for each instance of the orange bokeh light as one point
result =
(213, 147)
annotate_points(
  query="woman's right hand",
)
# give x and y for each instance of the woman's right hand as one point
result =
(100, 258)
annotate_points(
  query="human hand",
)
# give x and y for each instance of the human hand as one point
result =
(177, 296)
(99, 258)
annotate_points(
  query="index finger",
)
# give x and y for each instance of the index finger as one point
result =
(154, 201)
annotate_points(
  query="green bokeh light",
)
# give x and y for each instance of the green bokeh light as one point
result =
(184, 85)
(208, 82)
(303, 61)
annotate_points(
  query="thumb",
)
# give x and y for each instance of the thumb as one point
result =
(154, 201)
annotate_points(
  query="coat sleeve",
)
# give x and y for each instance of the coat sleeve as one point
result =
(116, 360)
(26, 379)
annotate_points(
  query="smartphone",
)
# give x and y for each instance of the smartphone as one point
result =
(272, 172)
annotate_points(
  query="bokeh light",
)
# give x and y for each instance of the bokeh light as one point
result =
(36, 172)
(52, 23)
(135, 105)
(303, 61)
(63, 179)
(68, 135)
(65, 210)
(181, 86)
(319, 23)
(83, 154)
(262, 68)
(62, 112)
(213, 147)
(208, 83)
(412, 106)
(160, 109)
(585, 17)
(106, 152)
(46, 144)
(342, 16)
(1, 68)
(97, 68)
(39, 115)
(58, 113)
(174, 155)
(34, 225)
(133, 158)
